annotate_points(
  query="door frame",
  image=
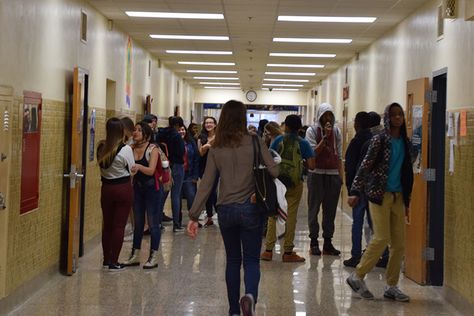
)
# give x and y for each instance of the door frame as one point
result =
(436, 188)
(85, 134)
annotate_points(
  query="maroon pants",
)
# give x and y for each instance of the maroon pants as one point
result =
(116, 201)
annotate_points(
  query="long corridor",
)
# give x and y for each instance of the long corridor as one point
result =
(190, 281)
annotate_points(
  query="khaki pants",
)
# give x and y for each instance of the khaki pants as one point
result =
(293, 197)
(389, 229)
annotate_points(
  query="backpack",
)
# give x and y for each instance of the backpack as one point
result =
(291, 165)
(162, 175)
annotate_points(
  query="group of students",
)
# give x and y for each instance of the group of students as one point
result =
(132, 160)
(382, 176)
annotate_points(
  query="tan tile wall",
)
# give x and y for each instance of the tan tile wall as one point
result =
(34, 238)
(92, 210)
(459, 216)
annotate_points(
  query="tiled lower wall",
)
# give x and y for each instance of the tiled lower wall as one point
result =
(459, 216)
(34, 238)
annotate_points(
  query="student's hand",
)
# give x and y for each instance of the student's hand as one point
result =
(253, 198)
(192, 229)
(136, 168)
(407, 215)
(352, 200)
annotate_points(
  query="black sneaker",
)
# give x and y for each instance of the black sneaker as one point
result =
(328, 249)
(166, 218)
(115, 267)
(352, 262)
(178, 228)
(105, 265)
(382, 263)
(315, 251)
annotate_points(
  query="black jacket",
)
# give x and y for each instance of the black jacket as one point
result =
(353, 155)
(174, 142)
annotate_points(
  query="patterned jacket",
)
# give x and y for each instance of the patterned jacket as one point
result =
(371, 178)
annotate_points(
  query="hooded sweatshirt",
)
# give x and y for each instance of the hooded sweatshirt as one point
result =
(372, 176)
(327, 161)
(174, 142)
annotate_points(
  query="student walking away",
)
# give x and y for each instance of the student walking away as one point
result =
(293, 150)
(205, 142)
(175, 144)
(240, 221)
(191, 167)
(147, 196)
(386, 176)
(353, 153)
(325, 180)
(116, 162)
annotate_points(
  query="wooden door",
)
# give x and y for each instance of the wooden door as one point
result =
(5, 162)
(75, 174)
(416, 229)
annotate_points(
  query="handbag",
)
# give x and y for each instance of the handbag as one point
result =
(265, 188)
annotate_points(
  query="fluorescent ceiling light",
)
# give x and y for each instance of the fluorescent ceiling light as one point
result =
(213, 71)
(204, 63)
(290, 73)
(312, 40)
(190, 37)
(295, 65)
(216, 78)
(288, 80)
(282, 85)
(227, 88)
(175, 15)
(303, 55)
(281, 89)
(340, 19)
(222, 83)
(199, 52)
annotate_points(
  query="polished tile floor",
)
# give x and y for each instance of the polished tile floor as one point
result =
(190, 281)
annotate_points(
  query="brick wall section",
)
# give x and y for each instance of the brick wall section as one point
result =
(34, 239)
(459, 216)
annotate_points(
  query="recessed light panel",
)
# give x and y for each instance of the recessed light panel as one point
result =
(190, 37)
(198, 52)
(331, 19)
(303, 55)
(227, 88)
(281, 85)
(287, 80)
(175, 15)
(216, 78)
(295, 65)
(290, 73)
(312, 40)
(205, 63)
(282, 89)
(212, 71)
(221, 83)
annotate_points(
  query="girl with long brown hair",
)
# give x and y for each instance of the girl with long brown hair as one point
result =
(240, 221)
(116, 162)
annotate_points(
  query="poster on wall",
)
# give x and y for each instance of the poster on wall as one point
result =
(92, 133)
(417, 122)
(128, 76)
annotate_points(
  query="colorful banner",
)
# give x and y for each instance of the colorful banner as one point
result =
(128, 78)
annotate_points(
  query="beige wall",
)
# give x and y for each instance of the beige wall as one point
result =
(40, 48)
(379, 77)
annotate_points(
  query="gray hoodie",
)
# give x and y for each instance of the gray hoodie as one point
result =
(312, 132)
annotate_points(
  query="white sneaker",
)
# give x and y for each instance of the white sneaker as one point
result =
(134, 259)
(152, 261)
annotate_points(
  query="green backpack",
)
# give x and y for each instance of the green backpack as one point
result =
(291, 166)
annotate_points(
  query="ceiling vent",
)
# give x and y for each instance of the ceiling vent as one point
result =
(450, 9)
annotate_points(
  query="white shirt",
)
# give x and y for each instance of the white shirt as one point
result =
(121, 166)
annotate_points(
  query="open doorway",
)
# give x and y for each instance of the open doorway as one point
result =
(436, 187)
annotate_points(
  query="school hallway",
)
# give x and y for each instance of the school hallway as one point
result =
(190, 281)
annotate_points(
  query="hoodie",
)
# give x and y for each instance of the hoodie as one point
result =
(371, 178)
(174, 142)
(327, 161)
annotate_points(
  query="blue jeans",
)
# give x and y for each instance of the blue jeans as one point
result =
(358, 213)
(177, 171)
(146, 200)
(189, 191)
(241, 229)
